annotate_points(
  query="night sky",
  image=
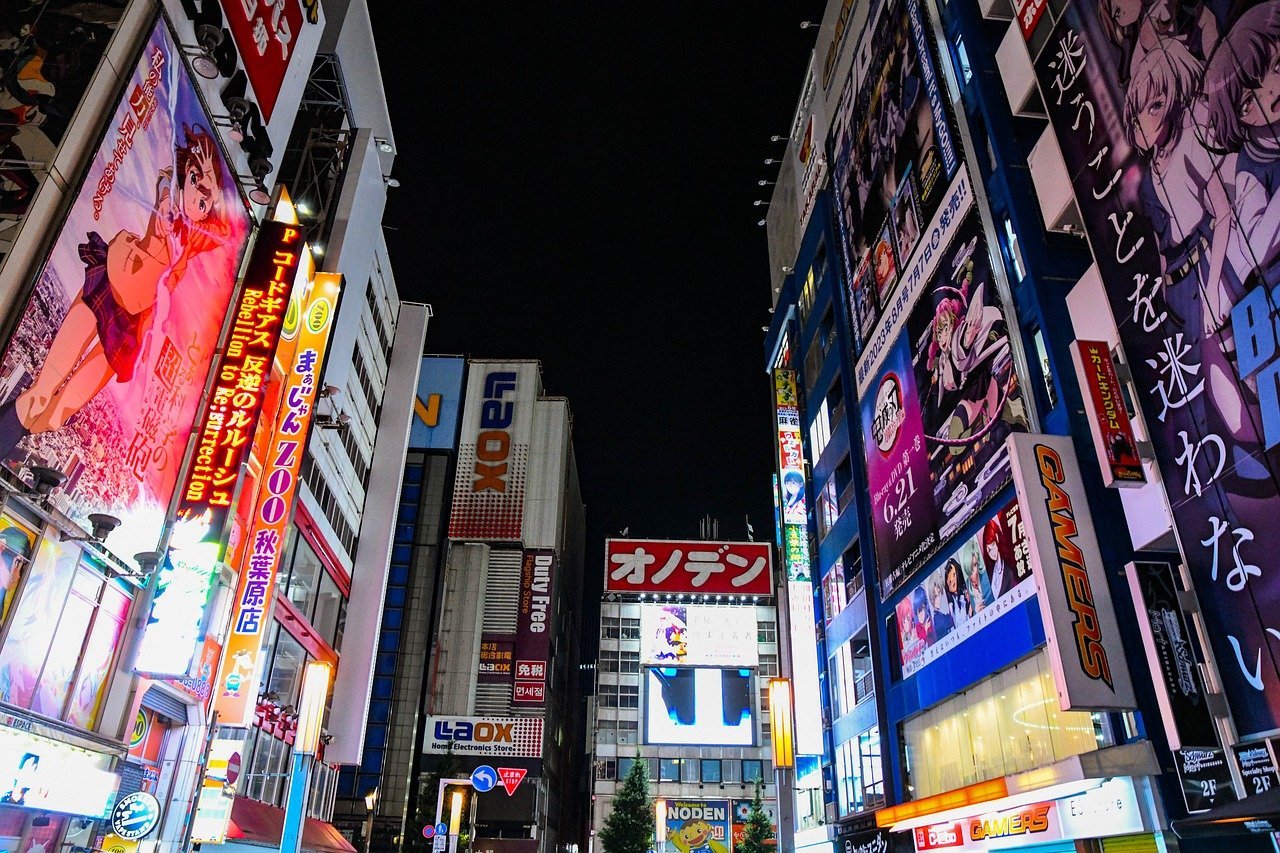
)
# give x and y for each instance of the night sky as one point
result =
(576, 186)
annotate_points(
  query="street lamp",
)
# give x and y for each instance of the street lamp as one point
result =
(370, 803)
(315, 689)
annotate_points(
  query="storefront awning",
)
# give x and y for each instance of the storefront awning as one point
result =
(1256, 814)
(257, 823)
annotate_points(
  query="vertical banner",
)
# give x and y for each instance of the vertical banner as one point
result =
(1113, 437)
(103, 374)
(237, 688)
(1170, 141)
(533, 628)
(493, 451)
(1080, 625)
(182, 585)
(1179, 690)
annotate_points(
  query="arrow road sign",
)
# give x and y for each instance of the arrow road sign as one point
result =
(483, 778)
(511, 778)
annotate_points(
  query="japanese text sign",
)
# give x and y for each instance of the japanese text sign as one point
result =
(277, 488)
(714, 568)
(533, 627)
(184, 581)
(1113, 436)
(265, 33)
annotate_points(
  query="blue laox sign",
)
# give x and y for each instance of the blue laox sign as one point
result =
(1254, 327)
(514, 737)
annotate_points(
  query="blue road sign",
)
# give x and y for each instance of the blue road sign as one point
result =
(442, 828)
(483, 778)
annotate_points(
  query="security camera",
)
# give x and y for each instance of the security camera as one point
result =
(103, 524)
(46, 479)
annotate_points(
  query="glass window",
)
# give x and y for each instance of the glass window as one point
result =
(609, 627)
(752, 769)
(628, 731)
(668, 770)
(688, 770)
(629, 662)
(15, 550)
(328, 608)
(766, 632)
(732, 771)
(305, 572)
(285, 678)
(630, 629)
(711, 770)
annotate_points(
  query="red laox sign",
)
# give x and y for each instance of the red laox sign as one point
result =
(712, 568)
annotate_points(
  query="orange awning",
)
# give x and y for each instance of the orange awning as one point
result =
(253, 822)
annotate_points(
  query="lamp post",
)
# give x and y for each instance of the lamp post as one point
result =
(315, 688)
(370, 803)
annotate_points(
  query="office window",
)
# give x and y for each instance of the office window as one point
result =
(628, 731)
(766, 632)
(609, 627)
(768, 665)
(752, 769)
(711, 771)
(630, 629)
(732, 771)
(668, 769)
(607, 769)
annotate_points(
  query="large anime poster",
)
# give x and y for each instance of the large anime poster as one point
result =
(937, 411)
(49, 50)
(1168, 116)
(893, 153)
(103, 374)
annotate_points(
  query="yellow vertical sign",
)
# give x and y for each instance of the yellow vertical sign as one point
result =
(236, 689)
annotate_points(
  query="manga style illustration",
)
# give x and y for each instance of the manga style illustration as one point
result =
(1166, 114)
(101, 378)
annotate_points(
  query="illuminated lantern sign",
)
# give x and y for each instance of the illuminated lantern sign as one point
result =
(184, 581)
(235, 687)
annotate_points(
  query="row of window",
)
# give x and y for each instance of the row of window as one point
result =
(328, 503)
(695, 770)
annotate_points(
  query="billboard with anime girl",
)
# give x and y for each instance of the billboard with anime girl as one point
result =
(938, 405)
(102, 376)
(1168, 116)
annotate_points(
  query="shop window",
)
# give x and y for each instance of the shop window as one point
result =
(1005, 724)
(67, 620)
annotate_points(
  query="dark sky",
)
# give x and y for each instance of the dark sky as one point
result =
(576, 186)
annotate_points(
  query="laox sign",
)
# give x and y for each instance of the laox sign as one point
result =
(482, 732)
(493, 445)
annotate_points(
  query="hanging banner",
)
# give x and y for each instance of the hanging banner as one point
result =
(1113, 437)
(1184, 707)
(102, 377)
(184, 581)
(1170, 152)
(1085, 651)
(533, 623)
(237, 686)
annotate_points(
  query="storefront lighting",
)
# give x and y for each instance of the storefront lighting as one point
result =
(931, 808)
(315, 690)
(781, 733)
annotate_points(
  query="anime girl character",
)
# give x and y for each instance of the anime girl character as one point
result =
(103, 333)
(793, 491)
(943, 621)
(959, 601)
(997, 557)
(924, 629)
(980, 592)
(670, 638)
(1138, 26)
(967, 341)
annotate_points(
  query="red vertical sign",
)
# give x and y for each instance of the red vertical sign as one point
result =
(533, 628)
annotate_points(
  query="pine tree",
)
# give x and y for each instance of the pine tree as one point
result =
(629, 826)
(759, 829)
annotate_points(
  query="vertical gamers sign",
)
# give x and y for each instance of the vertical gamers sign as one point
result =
(184, 581)
(1085, 652)
(1181, 212)
(235, 688)
(138, 280)
(493, 454)
(533, 628)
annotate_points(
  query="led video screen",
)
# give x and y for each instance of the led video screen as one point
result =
(699, 706)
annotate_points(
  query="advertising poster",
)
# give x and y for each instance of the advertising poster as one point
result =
(533, 621)
(984, 578)
(936, 412)
(698, 635)
(1180, 693)
(103, 374)
(892, 147)
(1113, 436)
(51, 50)
(438, 403)
(742, 811)
(698, 826)
(1181, 212)
(15, 549)
(34, 774)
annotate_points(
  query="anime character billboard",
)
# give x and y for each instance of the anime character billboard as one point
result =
(102, 376)
(938, 407)
(1168, 116)
(49, 50)
(893, 153)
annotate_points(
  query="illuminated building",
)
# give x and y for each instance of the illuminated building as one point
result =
(1002, 521)
(502, 699)
(168, 558)
(688, 643)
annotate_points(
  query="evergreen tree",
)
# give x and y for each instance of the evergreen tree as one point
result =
(759, 831)
(629, 826)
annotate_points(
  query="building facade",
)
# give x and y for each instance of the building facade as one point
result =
(1016, 626)
(688, 644)
(206, 378)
